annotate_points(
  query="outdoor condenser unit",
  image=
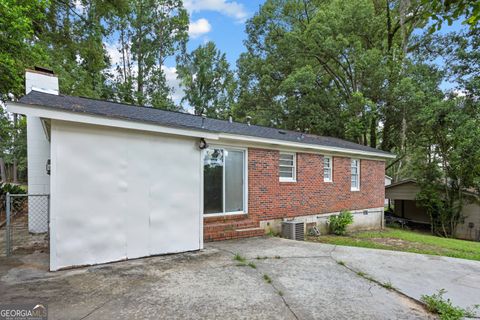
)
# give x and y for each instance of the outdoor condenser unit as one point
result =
(294, 230)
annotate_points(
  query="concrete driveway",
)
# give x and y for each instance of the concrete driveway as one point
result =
(307, 282)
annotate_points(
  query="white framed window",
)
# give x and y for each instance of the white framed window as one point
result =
(288, 167)
(355, 167)
(327, 169)
(224, 180)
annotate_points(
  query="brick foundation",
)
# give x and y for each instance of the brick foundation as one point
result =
(270, 199)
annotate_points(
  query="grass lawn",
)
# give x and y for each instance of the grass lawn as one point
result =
(406, 240)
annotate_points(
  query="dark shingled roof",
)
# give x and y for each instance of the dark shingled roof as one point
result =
(181, 120)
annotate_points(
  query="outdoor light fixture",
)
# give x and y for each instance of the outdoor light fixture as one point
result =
(48, 166)
(203, 144)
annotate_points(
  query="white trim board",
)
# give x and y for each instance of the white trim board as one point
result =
(224, 138)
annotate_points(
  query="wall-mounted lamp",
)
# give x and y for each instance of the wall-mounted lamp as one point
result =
(48, 166)
(203, 144)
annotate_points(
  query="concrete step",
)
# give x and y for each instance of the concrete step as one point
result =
(229, 225)
(234, 234)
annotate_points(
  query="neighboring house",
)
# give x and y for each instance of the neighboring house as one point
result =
(129, 182)
(388, 181)
(404, 194)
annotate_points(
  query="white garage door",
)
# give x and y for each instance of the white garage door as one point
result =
(121, 194)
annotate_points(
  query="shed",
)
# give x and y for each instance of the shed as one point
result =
(404, 193)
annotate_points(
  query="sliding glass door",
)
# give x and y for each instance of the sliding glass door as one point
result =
(224, 180)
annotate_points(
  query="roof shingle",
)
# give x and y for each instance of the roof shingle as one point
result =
(182, 120)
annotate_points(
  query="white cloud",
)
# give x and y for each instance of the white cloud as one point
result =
(113, 53)
(199, 27)
(229, 8)
(174, 82)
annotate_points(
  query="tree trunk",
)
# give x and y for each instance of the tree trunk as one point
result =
(3, 173)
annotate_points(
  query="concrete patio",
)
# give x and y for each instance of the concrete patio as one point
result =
(307, 282)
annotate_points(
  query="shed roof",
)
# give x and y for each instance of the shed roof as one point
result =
(183, 120)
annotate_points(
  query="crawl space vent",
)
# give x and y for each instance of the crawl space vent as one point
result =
(294, 230)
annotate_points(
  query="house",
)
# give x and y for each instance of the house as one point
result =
(404, 193)
(128, 182)
(388, 181)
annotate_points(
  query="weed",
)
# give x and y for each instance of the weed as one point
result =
(361, 274)
(278, 257)
(239, 258)
(261, 258)
(252, 265)
(338, 223)
(341, 263)
(267, 278)
(436, 303)
(388, 285)
(280, 293)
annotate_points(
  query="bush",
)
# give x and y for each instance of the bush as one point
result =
(338, 223)
(436, 303)
(11, 188)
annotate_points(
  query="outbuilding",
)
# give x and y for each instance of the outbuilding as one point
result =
(129, 181)
(404, 196)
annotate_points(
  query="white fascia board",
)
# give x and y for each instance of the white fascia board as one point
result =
(313, 147)
(48, 113)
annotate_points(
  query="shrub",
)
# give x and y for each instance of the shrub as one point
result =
(338, 223)
(436, 303)
(11, 188)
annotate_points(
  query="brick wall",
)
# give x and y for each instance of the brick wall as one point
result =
(270, 199)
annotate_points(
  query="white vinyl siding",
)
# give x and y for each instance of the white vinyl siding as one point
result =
(327, 169)
(355, 167)
(287, 167)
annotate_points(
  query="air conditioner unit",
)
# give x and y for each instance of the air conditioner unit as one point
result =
(294, 230)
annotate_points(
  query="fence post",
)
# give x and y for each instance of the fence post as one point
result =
(7, 227)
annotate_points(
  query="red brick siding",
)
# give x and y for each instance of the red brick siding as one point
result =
(270, 199)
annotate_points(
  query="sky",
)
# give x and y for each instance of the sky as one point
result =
(220, 21)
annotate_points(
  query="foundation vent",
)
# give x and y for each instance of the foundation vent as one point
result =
(294, 230)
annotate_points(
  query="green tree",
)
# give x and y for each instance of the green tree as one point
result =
(451, 10)
(331, 67)
(150, 32)
(446, 160)
(207, 81)
(20, 21)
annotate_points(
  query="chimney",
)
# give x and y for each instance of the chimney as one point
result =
(41, 79)
(38, 150)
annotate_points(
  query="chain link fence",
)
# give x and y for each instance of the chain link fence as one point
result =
(26, 225)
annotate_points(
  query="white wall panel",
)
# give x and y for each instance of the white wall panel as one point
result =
(38, 152)
(120, 194)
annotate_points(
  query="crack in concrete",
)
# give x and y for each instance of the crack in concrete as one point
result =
(97, 308)
(371, 279)
(330, 256)
(277, 291)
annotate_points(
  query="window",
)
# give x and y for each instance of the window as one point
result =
(327, 169)
(223, 180)
(355, 175)
(287, 166)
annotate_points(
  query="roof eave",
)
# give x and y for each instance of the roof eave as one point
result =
(64, 115)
